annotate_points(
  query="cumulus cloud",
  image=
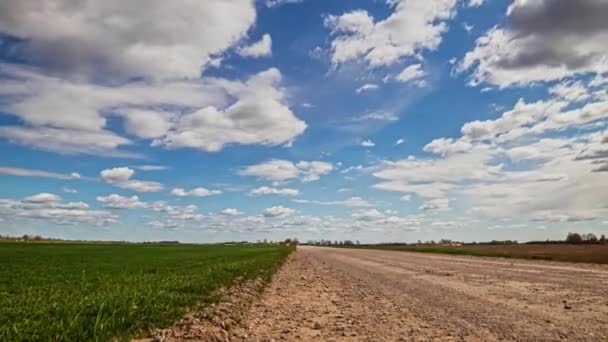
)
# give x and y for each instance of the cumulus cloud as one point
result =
(43, 197)
(368, 143)
(147, 124)
(175, 216)
(261, 48)
(259, 116)
(412, 27)
(571, 91)
(49, 208)
(196, 192)
(15, 171)
(121, 177)
(512, 121)
(264, 190)
(536, 161)
(445, 146)
(97, 39)
(543, 40)
(206, 113)
(231, 212)
(278, 211)
(278, 170)
(369, 215)
(115, 201)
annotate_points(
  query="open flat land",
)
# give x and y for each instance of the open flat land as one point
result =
(331, 294)
(101, 292)
(558, 252)
(83, 292)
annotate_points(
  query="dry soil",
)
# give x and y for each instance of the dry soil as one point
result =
(327, 294)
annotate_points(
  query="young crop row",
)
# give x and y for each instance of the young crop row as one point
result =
(78, 292)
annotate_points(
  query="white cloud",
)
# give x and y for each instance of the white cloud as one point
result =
(570, 91)
(377, 116)
(115, 201)
(536, 161)
(43, 197)
(475, 3)
(151, 167)
(62, 140)
(206, 114)
(175, 216)
(264, 190)
(412, 27)
(436, 204)
(231, 212)
(278, 211)
(467, 27)
(399, 142)
(367, 87)
(369, 215)
(121, 177)
(259, 116)
(277, 3)
(445, 225)
(97, 39)
(261, 48)
(412, 73)
(281, 170)
(48, 208)
(69, 190)
(353, 202)
(147, 124)
(15, 171)
(368, 143)
(434, 178)
(313, 170)
(273, 170)
(529, 48)
(521, 115)
(446, 146)
(196, 192)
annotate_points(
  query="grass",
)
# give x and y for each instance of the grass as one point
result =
(78, 292)
(558, 252)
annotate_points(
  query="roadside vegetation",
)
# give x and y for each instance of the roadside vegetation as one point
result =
(574, 248)
(82, 292)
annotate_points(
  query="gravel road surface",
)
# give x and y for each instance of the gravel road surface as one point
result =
(329, 294)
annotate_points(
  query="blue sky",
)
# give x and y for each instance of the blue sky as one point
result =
(397, 120)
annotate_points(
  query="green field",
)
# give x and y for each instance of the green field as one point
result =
(77, 292)
(596, 253)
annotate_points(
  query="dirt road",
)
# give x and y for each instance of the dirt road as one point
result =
(365, 295)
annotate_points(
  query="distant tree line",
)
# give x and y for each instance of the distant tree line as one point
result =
(332, 243)
(25, 237)
(571, 238)
(589, 238)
